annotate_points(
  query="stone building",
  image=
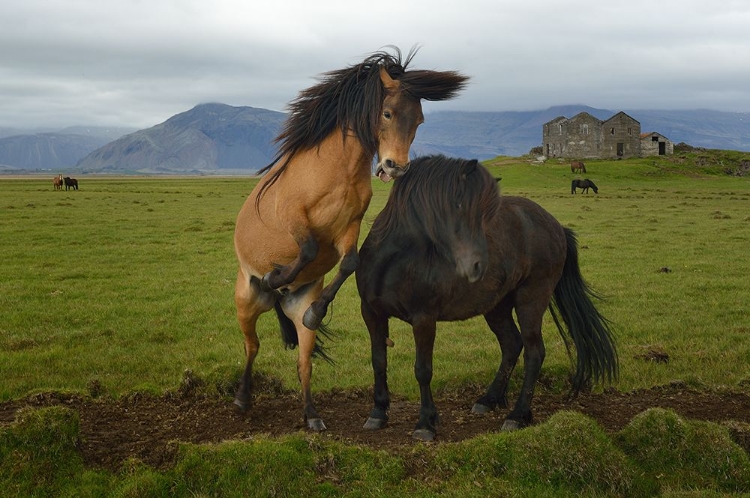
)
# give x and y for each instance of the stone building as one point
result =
(585, 137)
(654, 144)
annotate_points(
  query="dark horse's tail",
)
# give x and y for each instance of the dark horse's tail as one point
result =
(596, 356)
(291, 341)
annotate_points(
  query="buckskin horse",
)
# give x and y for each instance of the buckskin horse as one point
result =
(57, 182)
(577, 167)
(448, 247)
(304, 215)
(584, 185)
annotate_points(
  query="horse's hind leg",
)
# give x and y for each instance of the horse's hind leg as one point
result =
(294, 306)
(251, 303)
(529, 315)
(501, 323)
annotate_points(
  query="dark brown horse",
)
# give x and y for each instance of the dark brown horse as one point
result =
(584, 185)
(57, 182)
(304, 215)
(447, 247)
(577, 167)
(70, 183)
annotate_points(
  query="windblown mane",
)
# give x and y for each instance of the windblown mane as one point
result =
(421, 201)
(352, 99)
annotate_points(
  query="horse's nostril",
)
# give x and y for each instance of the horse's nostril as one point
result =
(390, 164)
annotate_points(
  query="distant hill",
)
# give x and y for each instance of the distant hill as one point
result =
(207, 138)
(218, 138)
(484, 135)
(24, 150)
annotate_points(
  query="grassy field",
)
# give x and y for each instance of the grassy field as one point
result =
(127, 282)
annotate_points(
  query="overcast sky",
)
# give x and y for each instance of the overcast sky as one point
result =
(136, 63)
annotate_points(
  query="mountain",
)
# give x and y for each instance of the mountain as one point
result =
(52, 149)
(46, 150)
(218, 138)
(484, 135)
(207, 138)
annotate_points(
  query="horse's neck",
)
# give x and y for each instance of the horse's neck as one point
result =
(338, 157)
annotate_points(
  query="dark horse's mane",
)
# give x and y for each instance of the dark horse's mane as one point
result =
(351, 99)
(435, 189)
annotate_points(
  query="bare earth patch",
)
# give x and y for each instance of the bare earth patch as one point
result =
(146, 426)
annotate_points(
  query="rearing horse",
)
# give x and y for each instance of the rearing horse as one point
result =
(304, 216)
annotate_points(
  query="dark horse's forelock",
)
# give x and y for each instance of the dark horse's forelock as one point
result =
(423, 200)
(352, 99)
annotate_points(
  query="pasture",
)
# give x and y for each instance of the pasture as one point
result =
(124, 285)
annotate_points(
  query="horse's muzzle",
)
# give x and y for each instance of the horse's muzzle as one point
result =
(389, 169)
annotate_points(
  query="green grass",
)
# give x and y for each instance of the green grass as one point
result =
(126, 283)
(658, 454)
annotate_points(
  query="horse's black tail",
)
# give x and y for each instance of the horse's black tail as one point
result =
(596, 355)
(291, 341)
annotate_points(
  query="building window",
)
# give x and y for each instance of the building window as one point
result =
(612, 131)
(654, 138)
(630, 131)
(584, 129)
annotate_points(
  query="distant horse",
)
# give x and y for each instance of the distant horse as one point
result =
(577, 167)
(70, 183)
(57, 182)
(447, 247)
(304, 216)
(584, 185)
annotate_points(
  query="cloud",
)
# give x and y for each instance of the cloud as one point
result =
(136, 63)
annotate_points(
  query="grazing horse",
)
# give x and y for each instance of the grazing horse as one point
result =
(577, 167)
(447, 247)
(57, 182)
(304, 215)
(70, 183)
(583, 185)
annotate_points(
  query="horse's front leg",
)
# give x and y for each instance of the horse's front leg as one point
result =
(347, 246)
(285, 275)
(424, 340)
(377, 326)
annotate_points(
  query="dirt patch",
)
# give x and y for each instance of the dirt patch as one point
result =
(146, 426)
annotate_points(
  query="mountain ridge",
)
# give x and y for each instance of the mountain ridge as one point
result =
(218, 138)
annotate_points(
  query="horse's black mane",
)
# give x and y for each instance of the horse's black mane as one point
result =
(435, 189)
(351, 99)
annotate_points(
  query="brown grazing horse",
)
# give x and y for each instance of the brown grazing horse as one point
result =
(304, 215)
(577, 167)
(447, 247)
(57, 182)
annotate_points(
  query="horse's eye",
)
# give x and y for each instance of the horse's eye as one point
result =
(387, 114)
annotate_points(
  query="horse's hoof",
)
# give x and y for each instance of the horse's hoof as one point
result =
(241, 406)
(425, 435)
(374, 424)
(480, 409)
(311, 320)
(316, 424)
(511, 425)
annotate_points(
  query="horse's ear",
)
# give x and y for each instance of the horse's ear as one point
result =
(468, 167)
(389, 83)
